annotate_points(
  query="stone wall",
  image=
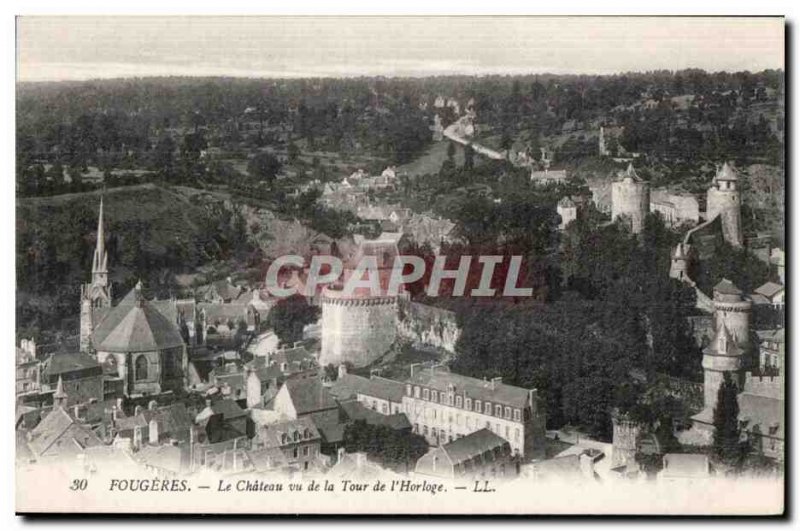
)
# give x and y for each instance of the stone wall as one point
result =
(428, 326)
(358, 331)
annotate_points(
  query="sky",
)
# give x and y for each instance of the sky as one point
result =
(77, 48)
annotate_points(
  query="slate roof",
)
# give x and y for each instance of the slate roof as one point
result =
(726, 173)
(165, 457)
(357, 411)
(136, 327)
(349, 385)
(472, 387)
(272, 433)
(309, 395)
(52, 427)
(229, 409)
(297, 358)
(473, 445)
(329, 425)
(726, 287)
(769, 290)
(66, 362)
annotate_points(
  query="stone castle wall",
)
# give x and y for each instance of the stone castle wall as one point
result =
(358, 331)
(631, 200)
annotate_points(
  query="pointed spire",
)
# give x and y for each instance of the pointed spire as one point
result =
(100, 261)
(60, 396)
(725, 173)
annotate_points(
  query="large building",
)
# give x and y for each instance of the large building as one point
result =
(138, 342)
(444, 406)
(361, 327)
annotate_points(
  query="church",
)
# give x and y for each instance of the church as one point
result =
(137, 342)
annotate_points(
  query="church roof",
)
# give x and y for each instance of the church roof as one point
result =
(136, 327)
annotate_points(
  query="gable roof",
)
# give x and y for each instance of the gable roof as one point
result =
(473, 445)
(355, 410)
(726, 287)
(349, 385)
(65, 362)
(52, 427)
(769, 290)
(273, 433)
(308, 395)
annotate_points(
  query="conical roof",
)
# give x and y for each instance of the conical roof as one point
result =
(136, 325)
(630, 172)
(723, 343)
(726, 173)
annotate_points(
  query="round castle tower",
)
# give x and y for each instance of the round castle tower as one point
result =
(360, 327)
(630, 198)
(731, 340)
(723, 200)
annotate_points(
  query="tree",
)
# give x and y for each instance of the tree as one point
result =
(289, 316)
(726, 422)
(451, 151)
(264, 167)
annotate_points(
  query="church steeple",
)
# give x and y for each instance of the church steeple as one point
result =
(100, 260)
(60, 396)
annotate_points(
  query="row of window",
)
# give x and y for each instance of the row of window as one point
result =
(450, 399)
(441, 435)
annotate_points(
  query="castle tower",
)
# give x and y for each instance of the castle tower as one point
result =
(625, 440)
(568, 211)
(360, 327)
(602, 143)
(679, 265)
(630, 199)
(731, 342)
(724, 200)
(95, 294)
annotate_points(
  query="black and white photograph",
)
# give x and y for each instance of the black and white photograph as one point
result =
(403, 265)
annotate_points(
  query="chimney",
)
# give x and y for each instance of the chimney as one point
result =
(343, 370)
(119, 404)
(411, 368)
(114, 413)
(137, 411)
(76, 411)
(496, 381)
(152, 405)
(339, 454)
(137, 437)
(532, 396)
(153, 432)
(208, 402)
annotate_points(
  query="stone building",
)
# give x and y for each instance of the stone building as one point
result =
(361, 327)
(481, 454)
(379, 394)
(297, 440)
(724, 200)
(444, 406)
(567, 211)
(630, 199)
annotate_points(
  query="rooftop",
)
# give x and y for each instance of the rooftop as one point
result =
(473, 445)
(348, 385)
(474, 388)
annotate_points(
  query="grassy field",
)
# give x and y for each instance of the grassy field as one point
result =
(431, 161)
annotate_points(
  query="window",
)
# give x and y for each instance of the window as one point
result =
(498, 411)
(408, 389)
(305, 465)
(478, 406)
(425, 430)
(296, 436)
(384, 408)
(434, 396)
(508, 412)
(305, 451)
(306, 433)
(468, 404)
(416, 427)
(487, 408)
(284, 438)
(517, 415)
(426, 394)
(416, 391)
(140, 368)
(508, 434)
(373, 405)
(459, 402)
(294, 452)
(442, 398)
